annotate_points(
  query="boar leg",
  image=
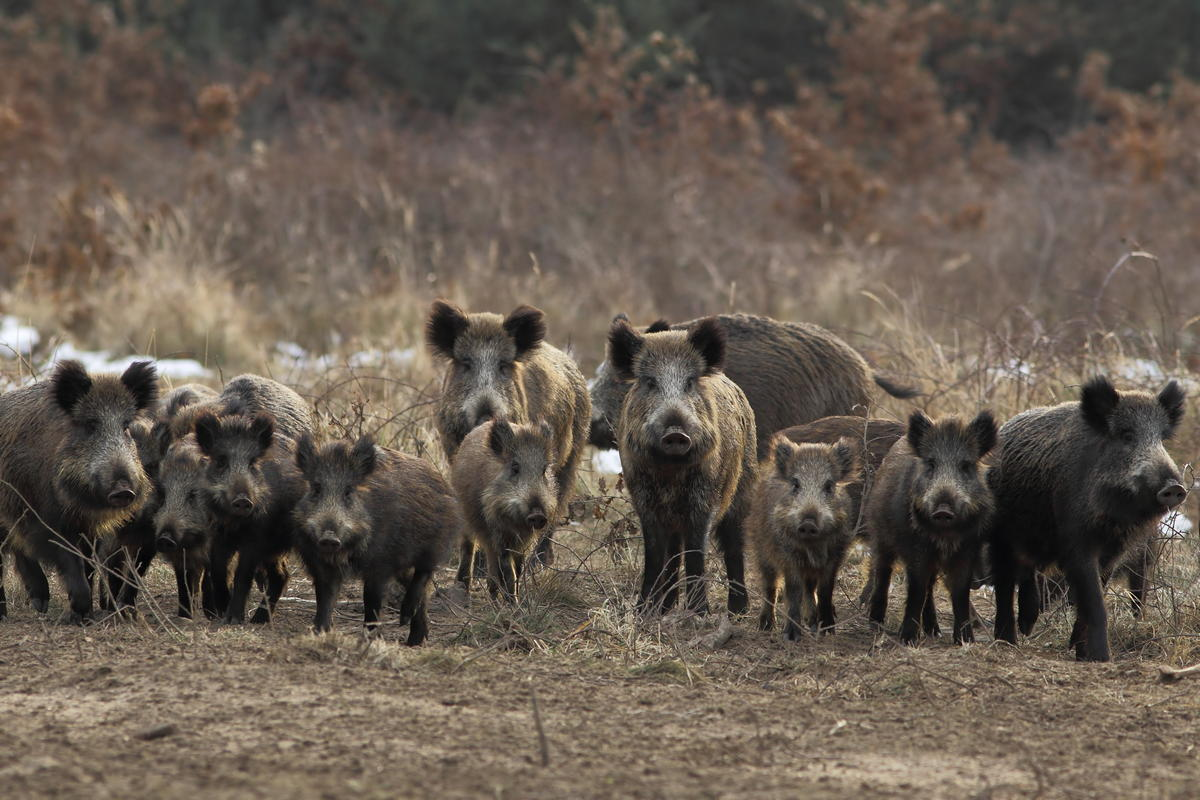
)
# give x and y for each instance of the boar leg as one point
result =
(1090, 633)
(1029, 603)
(74, 573)
(882, 561)
(929, 621)
(1003, 572)
(218, 569)
(466, 562)
(958, 580)
(34, 580)
(414, 607)
(795, 589)
(825, 600)
(730, 538)
(654, 543)
(373, 592)
(543, 554)
(695, 544)
(914, 604)
(276, 581)
(509, 563)
(114, 577)
(770, 586)
(243, 577)
(182, 585)
(326, 585)
(1138, 571)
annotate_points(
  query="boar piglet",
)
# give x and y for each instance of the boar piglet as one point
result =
(1081, 485)
(801, 524)
(251, 486)
(687, 440)
(184, 527)
(504, 476)
(504, 367)
(930, 507)
(378, 514)
(70, 472)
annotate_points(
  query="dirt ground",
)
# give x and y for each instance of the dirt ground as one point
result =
(160, 707)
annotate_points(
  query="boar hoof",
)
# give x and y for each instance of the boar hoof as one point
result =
(766, 621)
(40, 604)
(793, 632)
(261, 616)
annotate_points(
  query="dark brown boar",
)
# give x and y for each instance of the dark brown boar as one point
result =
(251, 487)
(246, 395)
(503, 367)
(184, 528)
(930, 507)
(378, 514)
(686, 436)
(791, 373)
(801, 525)
(1080, 485)
(504, 476)
(70, 473)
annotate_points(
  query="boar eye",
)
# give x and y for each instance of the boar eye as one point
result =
(506, 367)
(1126, 436)
(795, 484)
(316, 490)
(348, 493)
(828, 487)
(191, 496)
(965, 466)
(650, 383)
(222, 462)
(466, 364)
(691, 384)
(515, 467)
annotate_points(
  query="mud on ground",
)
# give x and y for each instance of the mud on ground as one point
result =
(161, 707)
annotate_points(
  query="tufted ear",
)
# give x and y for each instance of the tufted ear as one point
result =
(446, 322)
(306, 454)
(782, 451)
(1171, 399)
(982, 430)
(918, 425)
(1098, 399)
(501, 437)
(70, 384)
(846, 455)
(141, 379)
(206, 427)
(658, 326)
(708, 338)
(527, 326)
(624, 343)
(263, 428)
(363, 457)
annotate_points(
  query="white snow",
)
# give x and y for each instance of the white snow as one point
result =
(16, 338)
(95, 361)
(1174, 526)
(607, 461)
(296, 356)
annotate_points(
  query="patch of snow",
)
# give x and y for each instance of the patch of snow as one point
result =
(300, 358)
(607, 461)
(16, 338)
(1175, 525)
(95, 361)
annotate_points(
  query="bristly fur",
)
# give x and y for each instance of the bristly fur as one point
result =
(141, 379)
(71, 382)
(1098, 399)
(445, 324)
(1171, 398)
(708, 337)
(624, 343)
(527, 326)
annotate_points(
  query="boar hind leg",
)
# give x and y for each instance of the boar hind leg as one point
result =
(1003, 573)
(34, 580)
(414, 607)
(1029, 603)
(929, 622)
(770, 587)
(825, 601)
(1089, 636)
(730, 538)
(919, 577)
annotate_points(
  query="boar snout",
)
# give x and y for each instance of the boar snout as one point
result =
(1172, 494)
(242, 505)
(329, 543)
(675, 442)
(943, 513)
(536, 519)
(808, 527)
(122, 494)
(166, 541)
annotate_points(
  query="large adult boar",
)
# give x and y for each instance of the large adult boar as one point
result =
(504, 477)
(377, 514)
(686, 436)
(70, 472)
(801, 526)
(1080, 485)
(930, 507)
(791, 373)
(503, 367)
(251, 487)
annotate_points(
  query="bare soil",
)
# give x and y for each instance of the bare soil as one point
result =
(160, 707)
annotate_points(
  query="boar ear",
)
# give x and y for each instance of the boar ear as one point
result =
(1097, 401)
(708, 337)
(781, 453)
(70, 383)
(306, 453)
(527, 326)
(624, 343)
(263, 428)
(983, 430)
(621, 315)
(1171, 399)
(501, 437)
(160, 434)
(141, 379)
(918, 425)
(363, 457)
(445, 324)
(658, 326)
(847, 459)
(206, 426)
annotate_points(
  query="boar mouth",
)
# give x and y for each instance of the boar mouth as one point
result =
(601, 434)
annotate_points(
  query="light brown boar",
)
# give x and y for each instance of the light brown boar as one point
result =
(503, 367)
(801, 525)
(686, 436)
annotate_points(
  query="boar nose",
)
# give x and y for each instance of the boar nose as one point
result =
(121, 495)
(329, 542)
(808, 526)
(483, 414)
(943, 513)
(242, 505)
(536, 520)
(1171, 495)
(166, 541)
(675, 442)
